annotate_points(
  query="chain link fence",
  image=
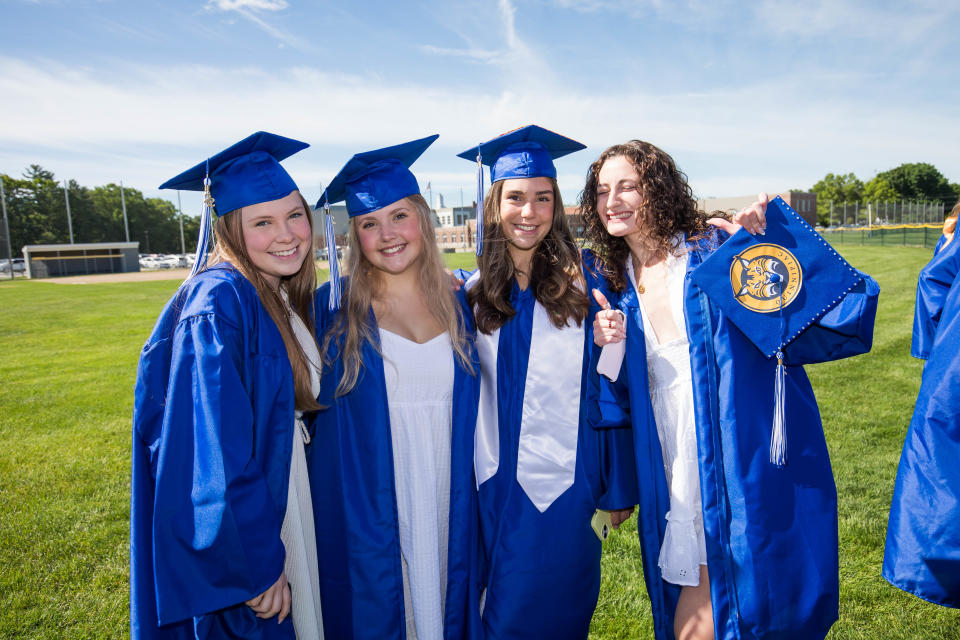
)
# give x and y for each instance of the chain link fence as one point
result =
(918, 235)
(899, 212)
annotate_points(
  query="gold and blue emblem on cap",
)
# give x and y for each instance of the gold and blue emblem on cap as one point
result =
(772, 290)
(765, 278)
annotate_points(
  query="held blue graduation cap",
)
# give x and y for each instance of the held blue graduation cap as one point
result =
(369, 181)
(773, 287)
(241, 175)
(527, 152)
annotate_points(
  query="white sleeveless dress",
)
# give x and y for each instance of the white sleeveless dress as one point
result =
(419, 380)
(671, 393)
(297, 531)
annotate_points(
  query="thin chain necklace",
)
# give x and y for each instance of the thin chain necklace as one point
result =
(637, 269)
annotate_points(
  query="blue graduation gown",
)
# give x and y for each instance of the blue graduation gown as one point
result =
(544, 568)
(922, 554)
(212, 434)
(940, 244)
(771, 532)
(350, 459)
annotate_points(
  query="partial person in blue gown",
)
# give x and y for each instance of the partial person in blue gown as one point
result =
(734, 546)
(391, 457)
(542, 471)
(922, 554)
(221, 525)
(949, 229)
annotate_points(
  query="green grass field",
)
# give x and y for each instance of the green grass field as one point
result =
(68, 356)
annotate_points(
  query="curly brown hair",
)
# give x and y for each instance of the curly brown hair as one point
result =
(668, 208)
(555, 276)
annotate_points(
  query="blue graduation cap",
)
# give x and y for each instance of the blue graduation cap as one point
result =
(241, 175)
(773, 287)
(527, 152)
(369, 181)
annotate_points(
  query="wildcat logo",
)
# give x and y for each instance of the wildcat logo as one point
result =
(763, 274)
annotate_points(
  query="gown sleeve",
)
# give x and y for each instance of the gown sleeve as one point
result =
(844, 331)
(607, 414)
(216, 526)
(933, 285)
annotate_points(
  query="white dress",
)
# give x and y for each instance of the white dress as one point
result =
(297, 531)
(671, 393)
(419, 380)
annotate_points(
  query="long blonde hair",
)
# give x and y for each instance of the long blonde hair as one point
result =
(353, 327)
(230, 247)
(555, 276)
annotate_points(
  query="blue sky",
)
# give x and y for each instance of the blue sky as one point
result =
(771, 94)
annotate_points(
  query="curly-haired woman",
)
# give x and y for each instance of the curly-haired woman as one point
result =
(733, 546)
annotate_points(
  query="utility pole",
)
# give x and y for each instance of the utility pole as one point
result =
(66, 197)
(123, 205)
(6, 228)
(183, 246)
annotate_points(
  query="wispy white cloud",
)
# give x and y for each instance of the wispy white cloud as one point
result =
(250, 10)
(849, 19)
(854, 19)
(144, 120)
(481, 55)
(512, 53)
(260, 5)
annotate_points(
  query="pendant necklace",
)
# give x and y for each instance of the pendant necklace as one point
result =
(637, 269)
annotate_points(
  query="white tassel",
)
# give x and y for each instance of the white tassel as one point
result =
(334, 264)
(203, 238)
(479, 205)
(778, 437)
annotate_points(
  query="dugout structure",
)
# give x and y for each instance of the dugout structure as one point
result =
(53, 260)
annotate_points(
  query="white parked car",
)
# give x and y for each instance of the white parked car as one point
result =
(18, 266)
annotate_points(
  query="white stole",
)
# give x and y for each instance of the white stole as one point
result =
(550, 419)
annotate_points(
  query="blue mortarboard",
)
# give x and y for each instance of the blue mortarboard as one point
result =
(241, 175)
(527, 152)
(374, 179)
(369, 181)
(774, 286)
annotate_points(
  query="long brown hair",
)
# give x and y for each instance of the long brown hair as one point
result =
(230, 247)
(668, 208)
(353, 326)
(555, 276)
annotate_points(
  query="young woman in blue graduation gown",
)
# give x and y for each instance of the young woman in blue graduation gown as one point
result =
(221, 524)
(542, 471)
(391, 456)
(949, 229)
(922, 554)
(734, 546)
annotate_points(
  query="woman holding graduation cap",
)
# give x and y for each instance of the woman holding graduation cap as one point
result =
(221, 525)
(542, 472)
(739, 541)
(391, 457)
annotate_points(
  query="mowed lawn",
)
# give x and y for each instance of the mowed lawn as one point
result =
(68, 357)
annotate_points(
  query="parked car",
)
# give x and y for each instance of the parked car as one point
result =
(321, 254)
(18, 266)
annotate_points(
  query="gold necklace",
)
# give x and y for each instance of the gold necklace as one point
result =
(637, 269)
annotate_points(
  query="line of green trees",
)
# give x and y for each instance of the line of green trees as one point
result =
(918, 182)
(37, 214)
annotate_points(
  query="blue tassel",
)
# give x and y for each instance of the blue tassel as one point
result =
(479, 205)
(778, 438)
(334, 264)
(206, 223)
